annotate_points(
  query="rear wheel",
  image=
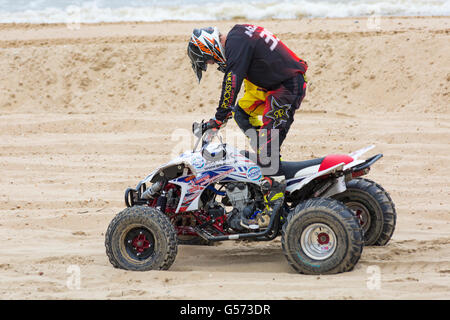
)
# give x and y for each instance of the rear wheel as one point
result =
(373, 207)
(141, 239)
(322, 236)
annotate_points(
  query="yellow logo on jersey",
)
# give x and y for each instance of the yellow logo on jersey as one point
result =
(228, 88)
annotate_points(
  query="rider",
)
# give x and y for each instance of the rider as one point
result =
(275, 85)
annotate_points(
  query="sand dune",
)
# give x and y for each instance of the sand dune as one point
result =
(87, 113)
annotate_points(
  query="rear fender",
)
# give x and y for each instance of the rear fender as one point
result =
(348, 168)
(295, 184)
(356, 154)
(361, 164)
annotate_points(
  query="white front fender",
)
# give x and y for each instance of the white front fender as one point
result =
(182, 163)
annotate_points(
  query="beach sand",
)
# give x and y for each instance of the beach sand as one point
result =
(87, 111)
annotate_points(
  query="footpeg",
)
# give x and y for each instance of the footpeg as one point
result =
(251, 226)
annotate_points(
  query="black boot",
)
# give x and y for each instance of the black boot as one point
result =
(273, 189)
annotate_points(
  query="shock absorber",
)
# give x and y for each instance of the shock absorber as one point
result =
(161, 202)
(155, 188)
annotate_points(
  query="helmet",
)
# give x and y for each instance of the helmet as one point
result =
(205, 45)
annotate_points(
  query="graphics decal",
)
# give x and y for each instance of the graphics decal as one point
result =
(254, 173)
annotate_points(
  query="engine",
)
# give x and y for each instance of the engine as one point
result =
(238, 194)
(243, 204)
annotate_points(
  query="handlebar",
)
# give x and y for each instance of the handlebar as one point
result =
(206, 137)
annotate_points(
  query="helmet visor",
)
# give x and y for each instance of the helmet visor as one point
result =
(197, 60)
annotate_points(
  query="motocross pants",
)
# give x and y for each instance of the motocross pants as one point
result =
(277, 108)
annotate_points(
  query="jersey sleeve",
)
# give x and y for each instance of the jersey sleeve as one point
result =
(239, 55)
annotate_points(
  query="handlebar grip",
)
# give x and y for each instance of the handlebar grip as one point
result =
(197, 129)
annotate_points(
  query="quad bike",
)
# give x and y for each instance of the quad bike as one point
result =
(329, 212)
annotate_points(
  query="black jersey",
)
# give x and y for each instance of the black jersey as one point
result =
(255, 54)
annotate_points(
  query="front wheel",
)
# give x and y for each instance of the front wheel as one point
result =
(140, 239)
(322, 236)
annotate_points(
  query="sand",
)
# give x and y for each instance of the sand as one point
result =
(86, 113)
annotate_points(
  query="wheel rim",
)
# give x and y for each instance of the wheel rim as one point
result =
(362, 214)
(318, 241)
(139, 243)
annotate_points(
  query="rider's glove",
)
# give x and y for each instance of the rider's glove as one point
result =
(212, 124)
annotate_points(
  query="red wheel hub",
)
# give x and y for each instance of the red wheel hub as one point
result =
(140, 243)
(359, 216)
(323, 238)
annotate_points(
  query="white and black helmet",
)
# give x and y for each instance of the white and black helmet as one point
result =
(205, 45)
